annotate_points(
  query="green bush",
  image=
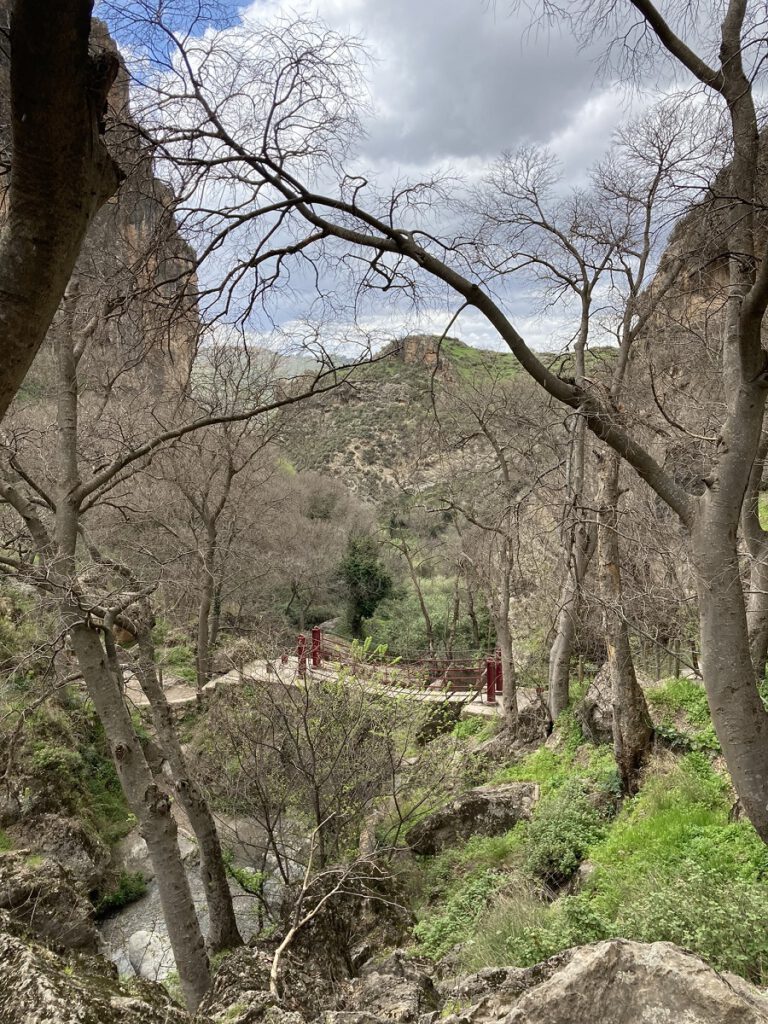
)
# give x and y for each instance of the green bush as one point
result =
(130, 886)
(5, 842)
(179, 661)
(565, 825)
(440, 931)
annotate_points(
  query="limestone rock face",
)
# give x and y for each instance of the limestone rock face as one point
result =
(82, 854)
(614, 982)
(39, 987)
(484, 811)
(42, 896)
(394, 989)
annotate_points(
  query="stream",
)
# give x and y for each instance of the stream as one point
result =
(135, 937)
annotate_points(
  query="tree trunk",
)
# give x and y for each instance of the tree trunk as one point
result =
(504, 637)
(738, 714)
(207, 587)
(153, 811)
(215, 617)
(61, 171)
(223, 932)
(757, 614)
(632, 729)
(756, 539)
(582, 549)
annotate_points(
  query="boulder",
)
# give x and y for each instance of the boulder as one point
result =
(483, 811)
(534, 723)
(130, 854)
(397, 988)
(613, 982)
(43, 897)
(64, 839)
(150, 957)
(240, 993)
(594, 710)
(39, 987)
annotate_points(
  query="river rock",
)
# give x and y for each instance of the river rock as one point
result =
(39, 987)
(64, 839)
(150, 957)
(130, 854)
(484, 811)
(613, 982)
(41, 895)
(397, 988)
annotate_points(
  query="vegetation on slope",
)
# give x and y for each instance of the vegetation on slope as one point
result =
(672, 864)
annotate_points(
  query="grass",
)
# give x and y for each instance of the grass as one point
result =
(671, 867)
(179, 661)
(685, 718)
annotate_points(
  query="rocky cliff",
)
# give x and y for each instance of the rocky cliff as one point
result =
(135, 272)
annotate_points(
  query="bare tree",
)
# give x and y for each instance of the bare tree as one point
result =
(396, 244)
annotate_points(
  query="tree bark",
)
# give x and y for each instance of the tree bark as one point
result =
(632, 729)
(738, 714)
(756, 539)
(504, 637)
(152, 809)
(61, 172)
(207, 587)
(582, 548)
(223, 932)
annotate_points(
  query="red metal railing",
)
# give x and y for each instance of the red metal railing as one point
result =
(458, 671)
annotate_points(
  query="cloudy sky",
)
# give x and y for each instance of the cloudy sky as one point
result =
(456, 82)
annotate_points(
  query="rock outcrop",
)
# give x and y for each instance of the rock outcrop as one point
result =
(40, 895)
(397, 988)
(613, 982)
(484, 811)
(594, 710)
(67, 841)
(39, 987)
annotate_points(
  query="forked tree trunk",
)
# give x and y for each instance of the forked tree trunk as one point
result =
(632, 729)
(153, 811)
(223, 932)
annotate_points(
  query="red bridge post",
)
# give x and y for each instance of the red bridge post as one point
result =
(499, 673)
(490, 681)
(317, 647)
(301, 653)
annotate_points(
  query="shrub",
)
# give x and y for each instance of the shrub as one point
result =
(130, 886)
(565, 825)
(440, 931)
(672, 867)
(686, 720)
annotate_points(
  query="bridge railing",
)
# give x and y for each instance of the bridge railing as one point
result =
(461, 670)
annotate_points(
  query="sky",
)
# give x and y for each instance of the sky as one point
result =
(453, 84)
